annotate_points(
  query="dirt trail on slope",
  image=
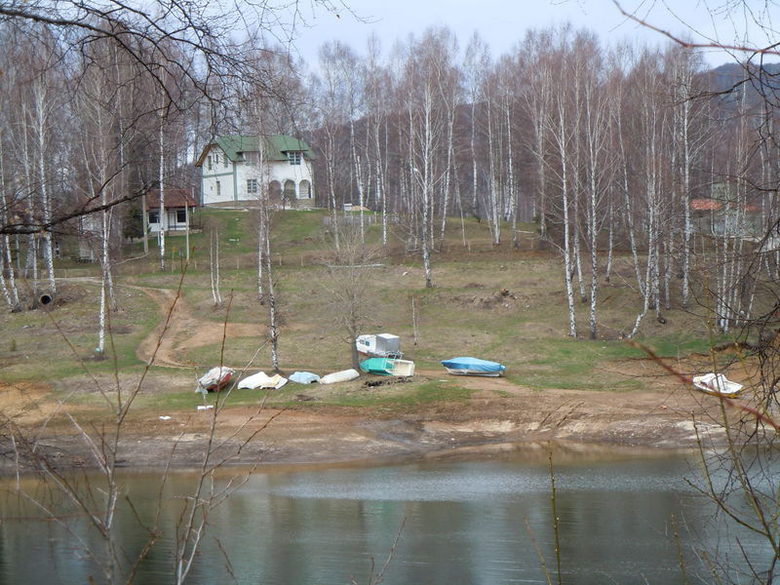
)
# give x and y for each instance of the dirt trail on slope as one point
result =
(180, 330)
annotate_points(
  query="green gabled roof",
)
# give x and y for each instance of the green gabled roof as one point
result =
(278, 145)
(275, 147)
(233, 145)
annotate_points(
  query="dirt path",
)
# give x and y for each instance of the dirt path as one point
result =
(179, 330)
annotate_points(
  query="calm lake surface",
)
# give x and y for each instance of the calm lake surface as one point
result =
(459, 522)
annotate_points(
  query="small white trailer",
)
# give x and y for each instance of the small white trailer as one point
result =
(384, 345)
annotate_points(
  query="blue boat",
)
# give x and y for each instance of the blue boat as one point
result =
(469, 366)
(304, 377)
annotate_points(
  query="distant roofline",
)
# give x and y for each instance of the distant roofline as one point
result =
(277, 145)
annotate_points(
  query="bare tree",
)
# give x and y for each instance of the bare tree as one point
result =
(10, 290)
(688, 141)
(270, 286)
(535, 97)
(336, 107)
(652, 120)
(377, 92)
(596, 106)
(475, 68)
(430, 83)
(215, 279)
(347, 280)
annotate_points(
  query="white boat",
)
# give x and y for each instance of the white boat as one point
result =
(341, 376)
(262, 380)
(717, 384)
(402, 368)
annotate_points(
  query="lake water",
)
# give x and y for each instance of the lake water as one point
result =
(458, 522)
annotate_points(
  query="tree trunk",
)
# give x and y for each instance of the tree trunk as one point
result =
(161, 178)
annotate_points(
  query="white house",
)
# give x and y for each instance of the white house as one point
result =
(178, 207)
(235, 168)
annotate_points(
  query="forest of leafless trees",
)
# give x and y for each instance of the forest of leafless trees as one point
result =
(629, 151)
(607, 150)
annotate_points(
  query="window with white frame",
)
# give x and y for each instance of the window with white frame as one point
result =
(225, 160)
(219, 188)
(294, 157)
(181, 216)
(251, 185)
(208, 162)
(154, 216)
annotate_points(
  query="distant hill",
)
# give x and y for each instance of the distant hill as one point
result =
(758, 82)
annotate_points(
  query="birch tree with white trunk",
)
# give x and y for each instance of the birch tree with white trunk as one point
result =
(41, 120)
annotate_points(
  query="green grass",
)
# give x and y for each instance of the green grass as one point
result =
(466, 313)
(396, 397)
(60, 342)
(680, 345)
(566, 363)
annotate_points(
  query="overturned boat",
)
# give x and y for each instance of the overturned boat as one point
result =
(470, 366)
(263, 381)
(388, 367)
(304, 377)
(717, 385)
(215, 379)
(340, 376)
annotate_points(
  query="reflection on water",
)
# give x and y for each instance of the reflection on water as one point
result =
(474, 522)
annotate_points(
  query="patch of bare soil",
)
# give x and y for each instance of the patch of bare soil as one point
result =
(500, 299)
(25, 403)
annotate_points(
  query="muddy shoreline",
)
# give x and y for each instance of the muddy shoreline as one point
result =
(584, 423)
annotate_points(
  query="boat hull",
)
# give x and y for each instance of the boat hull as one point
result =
(469, 366)
(717, 385)
(215, 380)
(341, 376)
(467, 372)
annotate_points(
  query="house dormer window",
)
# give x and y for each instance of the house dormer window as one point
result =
(216, 158)
(225, 160)
(294, 157)
(208, 162)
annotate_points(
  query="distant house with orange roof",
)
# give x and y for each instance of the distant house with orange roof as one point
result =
(723, 215)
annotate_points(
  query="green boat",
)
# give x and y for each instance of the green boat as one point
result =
(387, 367)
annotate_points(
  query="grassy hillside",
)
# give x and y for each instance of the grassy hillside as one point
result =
(492, 302)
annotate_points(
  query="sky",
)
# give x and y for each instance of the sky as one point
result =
(502, 23)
